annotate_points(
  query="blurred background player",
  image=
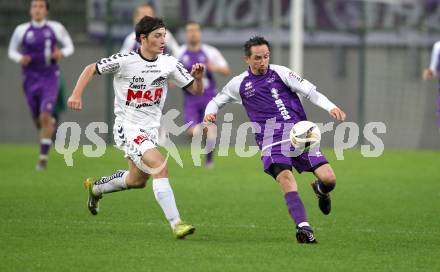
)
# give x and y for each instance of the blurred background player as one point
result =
(268, 92)
(34, 46)
(130, 42)
(432, 71)
(194, 106)
(140, 93)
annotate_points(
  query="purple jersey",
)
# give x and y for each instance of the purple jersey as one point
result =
(40, 77)
(194, 106)
(39, 44)
(271, 102)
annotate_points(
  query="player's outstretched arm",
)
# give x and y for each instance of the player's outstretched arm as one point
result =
(74, 102)
(196, 88)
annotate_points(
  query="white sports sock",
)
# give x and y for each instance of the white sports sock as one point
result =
(113, 183)
(165, 197)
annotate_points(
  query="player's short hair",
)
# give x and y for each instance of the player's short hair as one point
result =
(47, 2)
(254, 41)
(147, 25)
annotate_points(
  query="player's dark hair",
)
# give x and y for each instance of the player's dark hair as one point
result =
(254, 41)
(47, 2)
(147, 25)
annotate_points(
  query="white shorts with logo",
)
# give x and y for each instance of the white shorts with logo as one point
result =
(134, 141)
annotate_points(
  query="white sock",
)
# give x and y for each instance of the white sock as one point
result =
(165, 197)
(113, 183)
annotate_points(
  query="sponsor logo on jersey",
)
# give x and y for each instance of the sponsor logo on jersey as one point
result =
(30, 38)
(140, 99)
(296, 76)
(280, 104)
(248, 89)
(158, 82)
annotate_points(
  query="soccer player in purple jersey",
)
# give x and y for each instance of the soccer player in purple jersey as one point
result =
(194, 106)
(34, 46)
(270, 92)
(434, 70)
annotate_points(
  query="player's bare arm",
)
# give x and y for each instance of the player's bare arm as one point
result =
(196, 88)
(74, 102)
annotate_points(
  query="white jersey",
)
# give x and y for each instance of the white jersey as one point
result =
(141, 86)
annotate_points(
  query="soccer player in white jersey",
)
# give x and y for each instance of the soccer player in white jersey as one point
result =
(434, 71)
(194, 106)
(270, 96)
(140, 83)
(34, 45)
(130, 43)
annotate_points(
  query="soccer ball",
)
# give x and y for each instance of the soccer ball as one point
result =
(305, 135)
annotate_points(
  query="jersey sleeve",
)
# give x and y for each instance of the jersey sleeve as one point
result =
(63, 38)
(434, 58)
(110, 65)
(15, 43)
(180, 75)
(215, 57)
(229, 93)
(304, 87)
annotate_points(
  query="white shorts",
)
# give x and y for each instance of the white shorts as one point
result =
(134, 141)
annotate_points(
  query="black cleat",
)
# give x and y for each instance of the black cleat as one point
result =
(324, 201)
(304, 235)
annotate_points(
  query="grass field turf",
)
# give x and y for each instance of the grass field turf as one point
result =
(385, 217)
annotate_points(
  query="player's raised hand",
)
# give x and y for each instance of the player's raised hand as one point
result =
(210, 118)
(25, 60)
(74, 103)
(338, 114)
(197, 70)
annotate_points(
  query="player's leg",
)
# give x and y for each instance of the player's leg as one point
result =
(325, 183)
(48, 95)
(163, 192)
(284, 176)
(119, 181)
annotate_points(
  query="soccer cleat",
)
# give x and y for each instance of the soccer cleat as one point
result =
(41, 165)
(92, 200)
(304, 235)
(324, 201)
(182, 229)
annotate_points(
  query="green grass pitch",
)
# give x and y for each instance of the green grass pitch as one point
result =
(385, 217)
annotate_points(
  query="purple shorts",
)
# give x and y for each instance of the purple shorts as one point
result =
(306, 162)
(195, 109)
(41, 93)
